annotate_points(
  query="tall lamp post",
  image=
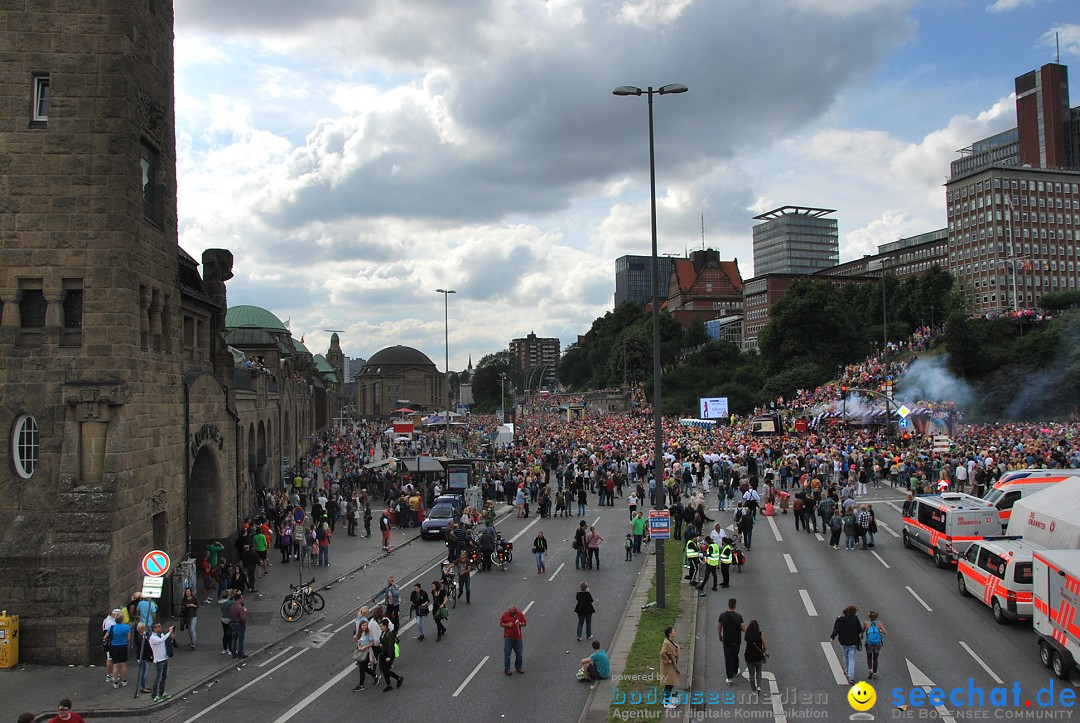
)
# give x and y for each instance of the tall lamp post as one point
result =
(446, 340)
(658, 430)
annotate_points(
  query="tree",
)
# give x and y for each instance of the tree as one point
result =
(810, 324)
(695, 334)
(1060, 300)
(487, 388)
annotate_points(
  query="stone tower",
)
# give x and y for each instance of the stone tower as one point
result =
(336, 357)
(96, 336)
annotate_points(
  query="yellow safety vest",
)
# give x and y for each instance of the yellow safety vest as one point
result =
(712, 557)
(726, 555)
(692, 551)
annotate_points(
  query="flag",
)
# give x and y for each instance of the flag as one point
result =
(287, 321)
(301, 338)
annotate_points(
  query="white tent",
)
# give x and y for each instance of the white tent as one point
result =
(1050, 518)
(504, 435)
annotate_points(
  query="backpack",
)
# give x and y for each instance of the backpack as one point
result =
(873, 635)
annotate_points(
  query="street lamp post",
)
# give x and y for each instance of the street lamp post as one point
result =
(658, 430)
(446, 340)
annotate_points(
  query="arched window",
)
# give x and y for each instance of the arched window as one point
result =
(24, 445)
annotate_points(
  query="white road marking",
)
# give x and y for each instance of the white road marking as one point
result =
(919, 679)
(275, 657)
(775, 699)
(247, 685)
(316, 693)
(834, 663)
(524, 530)
(531, 603)
(819, 536)
(874, 553)
(921, 601)
(324, 627)
(790, 563)
(893, 505)
(775, 529)
(557, 571)
(980, 661)
(808, 603)
(470, 677)
(888, 529)
(349, 624)
(596, 521)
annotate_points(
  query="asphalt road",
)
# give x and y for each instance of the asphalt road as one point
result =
(310, 676)
(797, 585)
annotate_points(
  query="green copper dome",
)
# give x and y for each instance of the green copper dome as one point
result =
(252, 317)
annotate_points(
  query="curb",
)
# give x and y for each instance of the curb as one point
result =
(597, 707)
(689, 713)
(144, 710)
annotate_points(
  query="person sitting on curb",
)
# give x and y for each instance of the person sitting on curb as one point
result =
(596, 666)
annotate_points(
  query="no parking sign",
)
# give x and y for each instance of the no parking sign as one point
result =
(156, 563)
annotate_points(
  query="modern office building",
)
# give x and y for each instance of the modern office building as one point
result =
(795, 240)
(1013, 205)
(539, 359)
(633, 278)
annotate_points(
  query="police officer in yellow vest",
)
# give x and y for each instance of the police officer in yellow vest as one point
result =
(692, 555)
(727, 556)
(712, 561)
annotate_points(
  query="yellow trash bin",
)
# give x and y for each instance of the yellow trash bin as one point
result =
(9, 640)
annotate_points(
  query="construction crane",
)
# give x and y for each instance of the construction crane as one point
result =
(334, 331)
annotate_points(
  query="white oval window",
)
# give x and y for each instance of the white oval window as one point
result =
(24, 445)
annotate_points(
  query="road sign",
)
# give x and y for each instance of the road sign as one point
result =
(298, 515)
(903, 411)
(659, 524)
(156, 563)
(904, 423)
(152, 586)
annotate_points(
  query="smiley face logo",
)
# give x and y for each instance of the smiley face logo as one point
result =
(862, 696)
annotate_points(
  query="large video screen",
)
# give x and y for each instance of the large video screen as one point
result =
(713, 407)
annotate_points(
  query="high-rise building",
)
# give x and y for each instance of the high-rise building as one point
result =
(633, 278)
(539, 359)
(795, 240)
(1012, 201)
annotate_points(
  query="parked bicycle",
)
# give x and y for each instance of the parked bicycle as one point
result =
(302, 599)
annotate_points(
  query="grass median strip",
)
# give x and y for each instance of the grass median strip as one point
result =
(641, 688)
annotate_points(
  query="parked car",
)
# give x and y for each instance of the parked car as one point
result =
(447, 509)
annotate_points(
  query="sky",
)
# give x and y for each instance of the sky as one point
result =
(357, 156)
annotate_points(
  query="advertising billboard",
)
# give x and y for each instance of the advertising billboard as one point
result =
(713, 407)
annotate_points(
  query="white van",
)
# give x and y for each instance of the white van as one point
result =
(1013, 486)
(997, 570)
(944, 525)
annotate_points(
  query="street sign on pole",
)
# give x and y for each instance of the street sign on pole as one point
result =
(904, 423)
(156, 563)
(660, 524)
(152, 586)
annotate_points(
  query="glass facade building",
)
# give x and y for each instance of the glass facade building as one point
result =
(795, 240)
(633, 279)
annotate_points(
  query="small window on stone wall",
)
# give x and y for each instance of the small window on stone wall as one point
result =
(24, 446)
(40, 114)
(72, 323)
(151, 194)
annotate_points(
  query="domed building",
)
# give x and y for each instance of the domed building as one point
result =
(399, 376)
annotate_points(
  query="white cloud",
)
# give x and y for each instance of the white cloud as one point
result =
(357, 156)
(1066, 37)
(1004, 6)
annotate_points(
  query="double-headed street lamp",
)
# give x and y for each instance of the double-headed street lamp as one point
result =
(658, 430)
(446, 339)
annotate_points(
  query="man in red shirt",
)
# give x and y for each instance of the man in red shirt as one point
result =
(64, 714)
(512, 622)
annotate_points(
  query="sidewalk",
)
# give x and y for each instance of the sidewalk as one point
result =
(38, 687)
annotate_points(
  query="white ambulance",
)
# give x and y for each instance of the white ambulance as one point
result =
(1056, 594)
(944, 525)
(1022, 483)
(997, 570)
